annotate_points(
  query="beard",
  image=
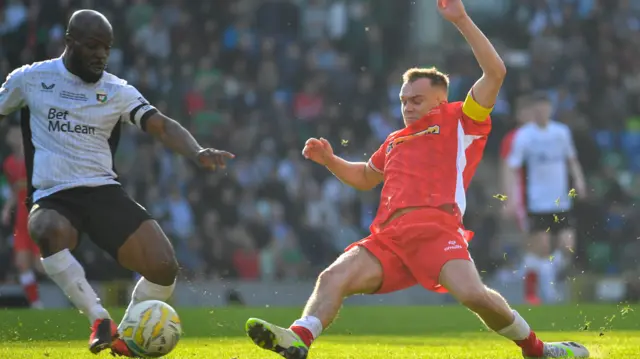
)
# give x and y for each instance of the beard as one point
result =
(82, 70)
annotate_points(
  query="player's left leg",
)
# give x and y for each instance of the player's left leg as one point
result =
(460, 277)
(125, 230)
(149, 252)
(566, 245)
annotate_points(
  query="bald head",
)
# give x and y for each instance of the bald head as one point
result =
(88, 43)
(87, 22)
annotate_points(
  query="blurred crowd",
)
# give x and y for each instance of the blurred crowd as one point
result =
(258, 78)
(586, 54)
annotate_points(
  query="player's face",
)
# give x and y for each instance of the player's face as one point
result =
(524, 115)
(418, 98)
(542, 111)
(90, 53)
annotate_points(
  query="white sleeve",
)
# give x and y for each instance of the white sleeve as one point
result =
(136, 109)
(516, 156)
(12, 93)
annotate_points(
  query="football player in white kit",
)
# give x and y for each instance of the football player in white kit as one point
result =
(544, 151)
(72, 114)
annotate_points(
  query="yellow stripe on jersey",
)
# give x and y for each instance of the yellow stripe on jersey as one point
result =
(474, 110)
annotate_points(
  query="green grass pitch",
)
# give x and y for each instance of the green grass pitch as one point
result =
(442, 332)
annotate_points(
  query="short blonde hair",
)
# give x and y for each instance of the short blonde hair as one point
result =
(438, 79)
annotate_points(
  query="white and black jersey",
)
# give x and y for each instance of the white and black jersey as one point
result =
(72, 128)
(543, 153)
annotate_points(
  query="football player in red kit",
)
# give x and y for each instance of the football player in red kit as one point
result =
(27, 254)
(417, 236)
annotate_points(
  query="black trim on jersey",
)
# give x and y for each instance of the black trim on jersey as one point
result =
(29, 153)
(145, 117)
(132, 114)
(114, 140)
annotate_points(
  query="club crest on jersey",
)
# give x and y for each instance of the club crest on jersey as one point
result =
(431, 130)
(101, 96)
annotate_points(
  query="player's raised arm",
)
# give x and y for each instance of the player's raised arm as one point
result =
(11, 94)
(482, 96)
(359, 175)
(171, 133)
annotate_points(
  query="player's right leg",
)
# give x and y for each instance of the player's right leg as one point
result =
(462, 280)
(56, 236)
(357, 271)
(538, 264)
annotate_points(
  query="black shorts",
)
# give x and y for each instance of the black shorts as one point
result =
(552, 222)
(106, 213)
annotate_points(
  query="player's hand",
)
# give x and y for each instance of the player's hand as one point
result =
(452, 10)
(212, 159)
(318, 151)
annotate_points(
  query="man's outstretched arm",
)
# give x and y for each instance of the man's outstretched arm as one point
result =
(359, 175)
(178, 139)
(485, 90)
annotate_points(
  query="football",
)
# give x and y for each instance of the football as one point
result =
(151, 329)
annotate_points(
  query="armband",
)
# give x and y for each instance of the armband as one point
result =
(474, 110)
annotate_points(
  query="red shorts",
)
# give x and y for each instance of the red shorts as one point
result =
(413, 248)
(21, 239)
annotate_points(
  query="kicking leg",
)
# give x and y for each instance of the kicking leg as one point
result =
(462, 280)
(55, 236)
(354, 272)
(148, 252)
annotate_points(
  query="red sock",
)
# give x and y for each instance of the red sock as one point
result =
(304, 334)
(531, 285)
(31, 292)
(30, 286)
(531, 346)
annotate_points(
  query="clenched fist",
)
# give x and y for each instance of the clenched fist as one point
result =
(318, 151)
(452, 10)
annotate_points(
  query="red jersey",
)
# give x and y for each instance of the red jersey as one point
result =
(507, 142)
(430, 163)
(16, 172)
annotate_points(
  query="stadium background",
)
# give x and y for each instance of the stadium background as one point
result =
(258, 78)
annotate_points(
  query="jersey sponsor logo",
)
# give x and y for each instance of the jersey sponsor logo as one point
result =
(101, 96)
(435, 129)
(431, 130)
(58, 123)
